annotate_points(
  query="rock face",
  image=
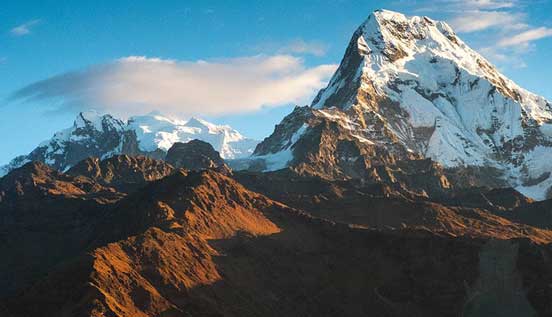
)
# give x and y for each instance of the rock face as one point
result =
(409, 88)
(123, 172)
(45, 217)
(196, 155)
(478, 212)
(93, 135)
(201, 244)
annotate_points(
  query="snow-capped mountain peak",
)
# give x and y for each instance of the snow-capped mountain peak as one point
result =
(410, 86)
(93, 134)
(160, 132)
(201, 124)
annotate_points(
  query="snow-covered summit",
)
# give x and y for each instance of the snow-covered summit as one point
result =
(411, 86)
(160, 132)
(390, 49)
(93, 134)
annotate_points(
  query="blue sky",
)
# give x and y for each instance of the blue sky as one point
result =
(244, 63)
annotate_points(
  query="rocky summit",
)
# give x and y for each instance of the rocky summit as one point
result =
(196, 155)
(415, 184)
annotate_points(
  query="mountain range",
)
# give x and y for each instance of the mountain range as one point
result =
(103, 136)
(415, 184)
(406, 88)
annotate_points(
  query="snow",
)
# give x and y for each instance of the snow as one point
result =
(155, 131)
(423, 113)
(281, 159)
(90, 118)
(444, 85)
(538, 164)
(15, 163)
(475, 112)
(546, 129)
(538, 161)
(538, 191)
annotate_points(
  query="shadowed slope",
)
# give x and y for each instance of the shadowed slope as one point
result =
(123, 172)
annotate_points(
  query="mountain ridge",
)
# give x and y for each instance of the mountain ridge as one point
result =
(102, 136)
(201, 243)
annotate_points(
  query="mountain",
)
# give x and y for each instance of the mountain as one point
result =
(199, 243)
(102, 136)
(90, 135)
(196, 155)
(409, 88)
(122, 172)
(158, 132)
(352, 207)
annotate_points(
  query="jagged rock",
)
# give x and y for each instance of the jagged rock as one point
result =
(200, 243)
(196, 155)
(124, 172)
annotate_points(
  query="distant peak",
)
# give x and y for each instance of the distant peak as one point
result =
(388, 14)
(386, 19)
(87, 118)
(95, 120)
(197, 123)
(89, 115)
(155, 113)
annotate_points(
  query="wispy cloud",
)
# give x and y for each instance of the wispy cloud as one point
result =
(138, 84)
(526, 37)
(296, 46)
(25, 28)
(477, 20)
(300, 46)
(484, 4)
(452, 6)
(504, 30)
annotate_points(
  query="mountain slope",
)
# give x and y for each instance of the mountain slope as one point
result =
(93, 135)
(409, 88)
(201, 244)
(122, 172)
(90, 135)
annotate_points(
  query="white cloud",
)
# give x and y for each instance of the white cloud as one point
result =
(296, 46)
(506, 57)
(455, 6)
(524, 38)
(139, 84)
(485, 4)
(501, 30)
(476, 20)
(510, 48)
(25, 28)
(300, 46)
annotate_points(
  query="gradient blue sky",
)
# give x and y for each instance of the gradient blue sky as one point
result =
(90, 40)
